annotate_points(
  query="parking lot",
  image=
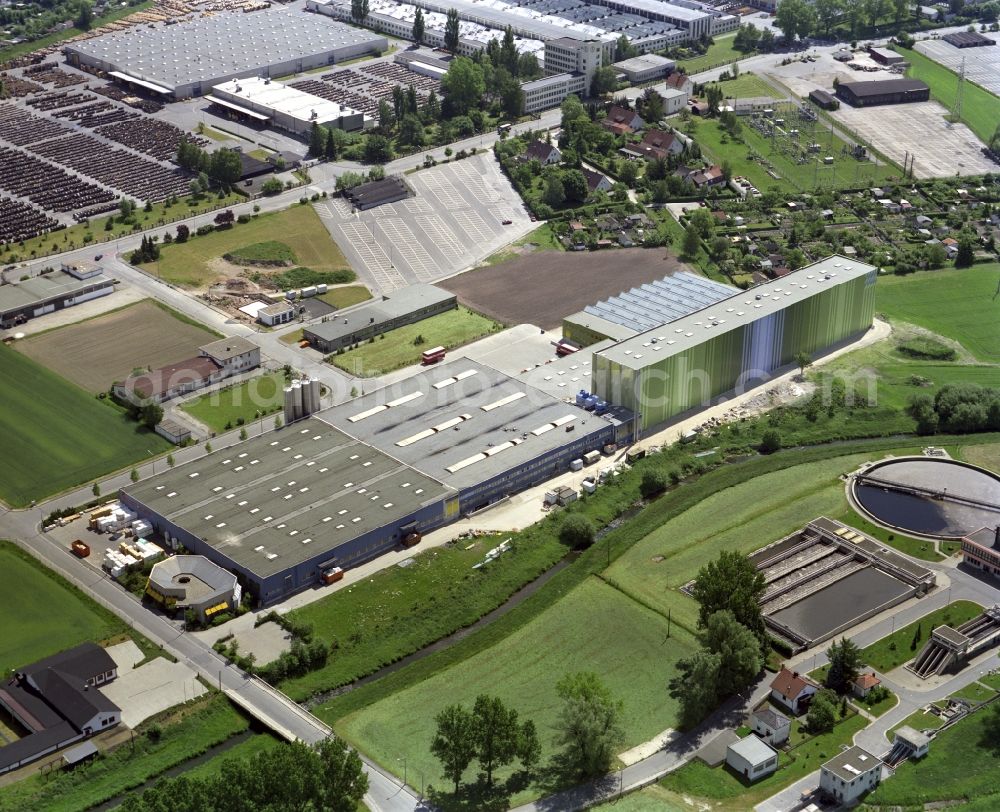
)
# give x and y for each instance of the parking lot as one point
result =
(982, 65)
(454, 220)
(941, 149)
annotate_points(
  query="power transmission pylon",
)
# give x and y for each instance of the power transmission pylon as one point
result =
(959, 93)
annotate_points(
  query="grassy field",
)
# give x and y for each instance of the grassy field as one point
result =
(188, 731)
(594, 628)
(892, 651)
(744, 517)
(719, 52)
(264, 394)
(51, 615)
(746, 85)
(542, 238)
(920, 721)
(749, 157)
(724, 792)
(957, 767)
(49, 453)
(436, 594)
(190, 264)
(271, 252)
(987, 455)
(346, 296)
(397, 349)
(97, 352)
(650, 799)
(980, 108)
(975, 693)
(95, 234)
(956, 303)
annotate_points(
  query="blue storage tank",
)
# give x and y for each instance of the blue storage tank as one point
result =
(581, 397)
(590, 403)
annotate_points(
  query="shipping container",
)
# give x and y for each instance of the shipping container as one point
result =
(332, 575)
(80, 549)
(576, 465)
(591, 457)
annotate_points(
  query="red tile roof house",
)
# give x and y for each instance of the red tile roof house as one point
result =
(545, 154)
(680, 81)
(793, 691)
(864, 683)
(621, 119)
(655, 144)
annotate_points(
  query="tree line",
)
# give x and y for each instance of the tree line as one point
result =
(222, 166)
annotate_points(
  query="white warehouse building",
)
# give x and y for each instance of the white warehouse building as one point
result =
(285, 108)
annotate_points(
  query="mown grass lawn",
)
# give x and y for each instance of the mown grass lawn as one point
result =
(594, 628)
(986, 455)
(880, 707)
(57, 436)
(980, 108)
(226, 407)
(346, 296)
(649, 799)
(958, 767)
(720, 52)
(724, 792)
(43, 614)
(299, 228)
(955, 303)
(975, 693)
(919, 721)
(403, 346)
(897, 648)
(187, 731)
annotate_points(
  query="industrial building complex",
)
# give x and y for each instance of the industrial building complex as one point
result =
(55, 290)
(736, 342)
(339, 489)
(191, 57)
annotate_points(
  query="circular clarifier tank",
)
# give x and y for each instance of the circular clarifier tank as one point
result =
(929, 496)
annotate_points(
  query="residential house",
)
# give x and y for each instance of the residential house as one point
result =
(771, 726)
(864, 684)
(545, 154)
(622, 120)
(655, 144)
(751, 758)
(951, 246)
(596, 182)
(793, 691)
(849, 775)
(680, 81)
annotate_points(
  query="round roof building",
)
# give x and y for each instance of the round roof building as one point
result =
(193, 582)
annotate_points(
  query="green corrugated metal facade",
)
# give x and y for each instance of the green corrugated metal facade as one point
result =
(662, 385)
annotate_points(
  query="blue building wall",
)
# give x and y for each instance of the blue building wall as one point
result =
(277, 587)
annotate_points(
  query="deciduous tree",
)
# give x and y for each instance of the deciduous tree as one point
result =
(731, 582)
(454, 743)
(590, 726)
(496, 733)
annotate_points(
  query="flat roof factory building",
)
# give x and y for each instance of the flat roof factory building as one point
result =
(343, 487)
(738, 341)
(404, 306)
(883, 91)
(189, 58)
(285, 108)
(48, 292)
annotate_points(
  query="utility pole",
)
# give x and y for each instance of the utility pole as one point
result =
(959, 93)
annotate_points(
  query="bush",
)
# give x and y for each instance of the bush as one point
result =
(577, 531)
(654, 482)
(770, 441)
(927, 349)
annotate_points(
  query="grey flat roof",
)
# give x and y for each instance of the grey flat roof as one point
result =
(753, 749)
(275, 501)
(849, 764)
(391, 306)
(645, 62)
(661, 301)
(738, 310)
(877, 87)
(463, 422)
(226, 348)
(548, 81)
(44, 288)
(224, 44)
(206, 578)
(667, 9)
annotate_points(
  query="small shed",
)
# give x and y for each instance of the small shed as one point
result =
(864, 684)
(917, 743)
(752, 758)
(771, 726)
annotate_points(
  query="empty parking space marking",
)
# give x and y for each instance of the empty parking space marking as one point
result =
(408, 248)
(442, 236)
(338, 205)
(376, 262)
(445, 191)
(418, 205)
(472, 224)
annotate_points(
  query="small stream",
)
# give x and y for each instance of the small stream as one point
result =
(178, 769)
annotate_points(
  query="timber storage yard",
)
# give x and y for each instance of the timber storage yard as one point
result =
(339, 489)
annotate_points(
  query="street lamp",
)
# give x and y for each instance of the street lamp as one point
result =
(404, 770)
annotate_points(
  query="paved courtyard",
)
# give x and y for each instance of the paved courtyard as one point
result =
(454, 220)
(146, 691)
(266, 642)
(941, 149)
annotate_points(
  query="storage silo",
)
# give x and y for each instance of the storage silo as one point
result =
(297, 400)
(314, 395)
(289, 407)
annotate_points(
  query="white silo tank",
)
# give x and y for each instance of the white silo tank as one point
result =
(297, 399)
(289, 405)
(314, 394)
